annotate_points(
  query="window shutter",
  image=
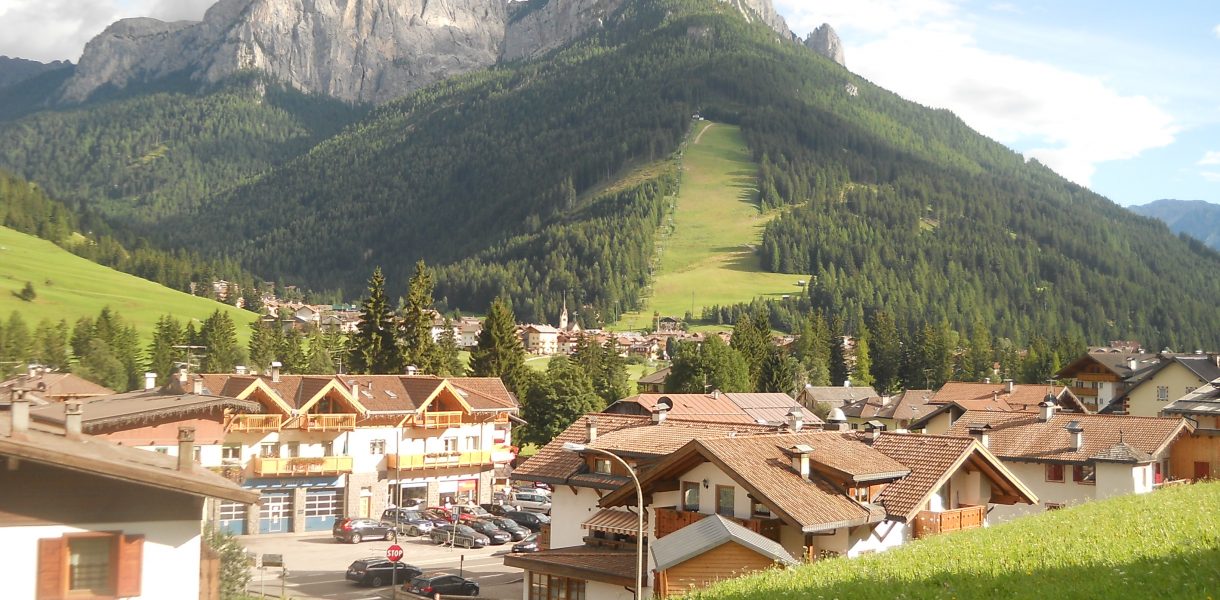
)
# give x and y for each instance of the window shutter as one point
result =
(130, 565)
(51, 572)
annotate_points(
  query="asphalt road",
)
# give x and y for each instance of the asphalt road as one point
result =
(316, 564)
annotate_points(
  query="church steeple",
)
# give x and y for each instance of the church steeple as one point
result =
(563, 316)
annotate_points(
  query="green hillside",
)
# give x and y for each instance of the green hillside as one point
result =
(69, 287)
(710, 257)
(1160, 545)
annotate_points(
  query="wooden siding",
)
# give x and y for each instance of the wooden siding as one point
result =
(208, 431)
(724, 562)
(1199, 447)
(969, 517)
(63, 496)
(669, 520)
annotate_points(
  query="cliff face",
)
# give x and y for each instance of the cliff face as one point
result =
(826, 42)
(355, 50)
(540, 26)
(765, 11)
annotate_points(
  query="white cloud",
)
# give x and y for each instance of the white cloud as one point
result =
(927, 51)
(1210, 158)
(1211, 176)
(58, 29)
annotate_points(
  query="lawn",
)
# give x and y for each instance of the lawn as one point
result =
(709, 259)
(69, 287)
(1160, 545)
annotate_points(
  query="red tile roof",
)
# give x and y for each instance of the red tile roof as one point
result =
(929, 457)
(1022, 436)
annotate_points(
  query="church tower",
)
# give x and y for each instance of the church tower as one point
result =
(563, 316)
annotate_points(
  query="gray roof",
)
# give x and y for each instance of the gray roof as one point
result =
(1123, 452)
(1204, 400)
(708, 534)
(655, 378)
(835, 396)
(143, 406)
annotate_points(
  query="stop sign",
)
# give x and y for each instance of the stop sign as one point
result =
(394, 553)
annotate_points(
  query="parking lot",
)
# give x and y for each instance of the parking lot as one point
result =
(316, 566)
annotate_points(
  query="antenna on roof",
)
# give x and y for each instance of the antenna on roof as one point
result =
(191, 356)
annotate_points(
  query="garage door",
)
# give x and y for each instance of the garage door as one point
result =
(233, 517)
(275, 513)
(322, 507)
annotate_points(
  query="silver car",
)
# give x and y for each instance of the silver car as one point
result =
(532, 502)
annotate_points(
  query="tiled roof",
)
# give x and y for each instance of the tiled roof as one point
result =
(929, 457)
(907, 405)
(708, 534)
(596, 564)
(382, 393)
(143, 406)
(491, 389)
(658, 440)
(836, 396)
(1203, 401)
(972, 396)
(1122, 452)
(615, 521)
(56, 386)
(1022, 436)
(723, 407)
(1118, 363)
(655, 378)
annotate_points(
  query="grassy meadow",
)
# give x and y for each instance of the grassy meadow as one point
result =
(708, 257)
(1160, 545)
(69, 287)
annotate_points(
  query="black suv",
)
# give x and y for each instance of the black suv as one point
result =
(409, 522)
(377, 571)
(355, 530)
(529, 520)
(448, 585)
(495, 535)
(458, 535)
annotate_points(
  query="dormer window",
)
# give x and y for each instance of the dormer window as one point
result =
(860, 494)
(758, 509)
(690, 496)
(601, 465)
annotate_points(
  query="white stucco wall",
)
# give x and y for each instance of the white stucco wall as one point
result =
(568, 511)
(596, 590)
(1115, 479)
(170, 556)
(1033, 475)
(868, 539)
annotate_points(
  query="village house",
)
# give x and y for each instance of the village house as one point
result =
(723, 407)
(1172, 376)
(653, 383)
(541, 340)
(52, 386)
(956, 398)
(81, 517)
(1070, 458)
(889, 412)
(783, 495)
(1100, 376)
(828, 397)
(1198, 456)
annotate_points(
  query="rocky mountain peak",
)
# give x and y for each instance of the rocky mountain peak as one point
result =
(826, 42)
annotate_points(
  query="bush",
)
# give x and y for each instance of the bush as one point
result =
(234, 572)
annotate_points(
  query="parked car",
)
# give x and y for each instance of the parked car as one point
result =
(437, 515)
(497, 510)
(529, 544)
(458, 535)
(450, 515)
(528, 520)
(449, 585)
(376, 571)
(512, 527)
(495, 535)
(355, 530)
(406, 521)
(478, 512)
(531, 501)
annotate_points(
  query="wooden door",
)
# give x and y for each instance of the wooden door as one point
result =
(1203, 470)
(365, 506)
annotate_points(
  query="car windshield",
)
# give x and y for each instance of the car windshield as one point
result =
(465, 530)
(408, 515)
(505, 523)
(543, 518)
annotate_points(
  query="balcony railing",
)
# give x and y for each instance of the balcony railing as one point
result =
(432, 460)
(329, 422)
(670, 519)
(437, 419)
(302, 466)
(254, 423)
(930, 523)
(1084, 391)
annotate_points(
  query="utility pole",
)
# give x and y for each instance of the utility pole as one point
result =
(191, 357)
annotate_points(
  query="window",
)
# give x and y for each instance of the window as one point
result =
(472, 442)
(860, 494)
(88, 565)
(269, 450)
(601, 465)
(552, 587)
(724, 500)
(377, 447)
(757, 509)
(292, 449)
(1054, 473)
(690, 496)
(230, 452)
(1053, 506)
(1084, 474)
(328, 448)
(1162, 392)
(451, 444)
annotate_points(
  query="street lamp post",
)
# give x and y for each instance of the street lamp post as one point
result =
(639, 503)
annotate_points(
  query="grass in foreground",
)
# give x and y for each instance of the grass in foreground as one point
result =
(1160, 545)
(717, 224)
(69, 287)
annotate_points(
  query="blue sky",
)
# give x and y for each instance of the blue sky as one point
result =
(1121, 96)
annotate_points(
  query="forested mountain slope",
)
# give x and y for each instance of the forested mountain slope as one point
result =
(494, 176)
(1196, 218)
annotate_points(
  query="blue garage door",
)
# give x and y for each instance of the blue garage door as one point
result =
(322, 507)
(275, 514)
(233, 517)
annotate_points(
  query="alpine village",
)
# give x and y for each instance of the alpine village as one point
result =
(578, 300)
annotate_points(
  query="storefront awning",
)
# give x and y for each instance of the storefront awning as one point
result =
(275, 483)
(610, 520)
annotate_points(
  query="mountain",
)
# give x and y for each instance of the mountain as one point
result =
(826, 42)
(1196, 218)
(549, 177)
(16, 70)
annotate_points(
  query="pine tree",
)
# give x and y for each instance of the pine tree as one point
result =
(219, 335)
(19, 344)
(779, 372)
(449, 351)
(82, 334)
(837, 364)
(862, 376)
(415, 327)
(498, 352)
(712, 365)
(292, 352)
(161, 351)
(886, 349)
(751, 343)
(318, 360)
(564, 395)
(99, 365)
(51, 344)
(264, 344)
(372, 346)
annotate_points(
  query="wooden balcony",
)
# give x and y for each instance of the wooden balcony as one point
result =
(670, 519)
(302, 467)
(254, 423)
(328, 422)
(1081, 392)
(437, 419)
(434, 460)
(930, 523)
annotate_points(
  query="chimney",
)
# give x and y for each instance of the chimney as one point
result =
(1008, 385)
(836, 421)
(846, 383)
(241, 369)
(186, 448)
(31, 370)
(150, 381)
(659, 412)
(986, 380)
(197, 386)
(20, 410)
(1132, 364)
(182, 375)
(979, 431)
(412, 369)
(716, 394)
(796, 419)
(590, 429)
(1077, 432)
(72, 419)
(355, 388)
(874, 429)
(800, 459)
(275, 371)
(1046, 408)
(885, 400)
